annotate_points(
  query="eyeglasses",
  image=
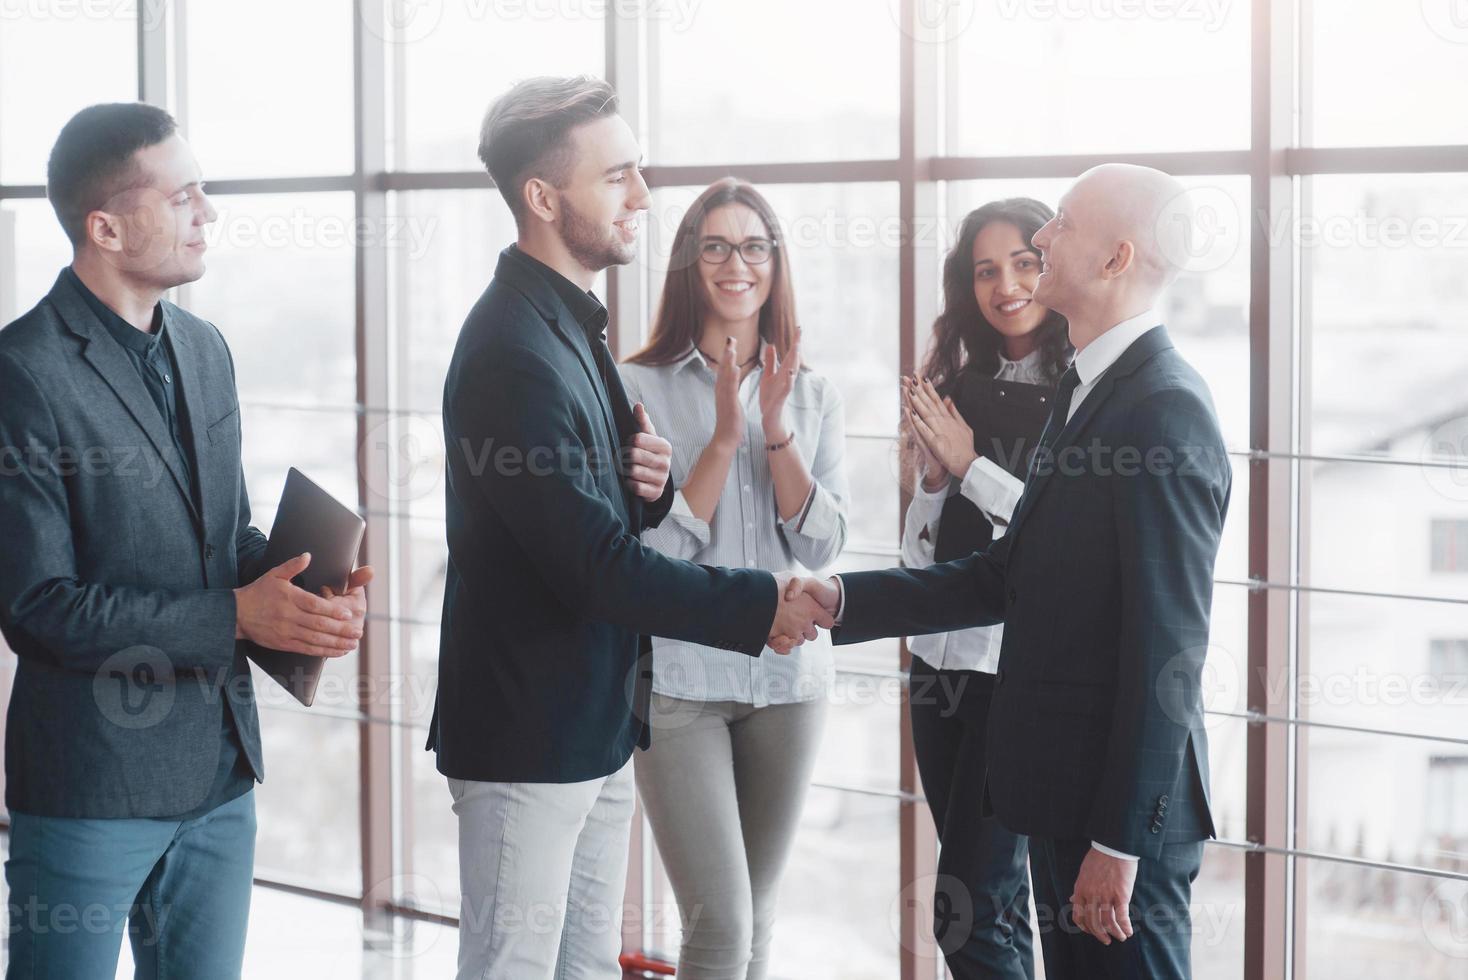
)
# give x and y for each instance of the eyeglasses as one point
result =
(754, 251)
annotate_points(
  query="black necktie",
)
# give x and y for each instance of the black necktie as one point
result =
(1069, 381)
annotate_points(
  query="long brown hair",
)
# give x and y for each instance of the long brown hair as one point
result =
(961, 335)
(678, 324)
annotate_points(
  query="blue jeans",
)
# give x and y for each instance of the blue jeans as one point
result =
(181, 889)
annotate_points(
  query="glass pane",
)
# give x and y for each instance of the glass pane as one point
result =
(321, 444)
(840, 902)
(863, 726)
(98, 41)
(1371, 663)
(1371, 527)
(309, 807)
(1227, 737)
(1027, 77)
(1416, 51)
(250, 66)
(1218, 913)
(457, 58)
(1384, 798)
(432, 866)
(1366, 923)
(281, 287)
(721, 76)
(33, 249)
(1386, 304)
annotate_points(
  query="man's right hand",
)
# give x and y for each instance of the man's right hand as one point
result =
(797, 616)
(276, 614)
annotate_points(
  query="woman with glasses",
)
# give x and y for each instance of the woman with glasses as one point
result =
(972, 420)
(758, 465)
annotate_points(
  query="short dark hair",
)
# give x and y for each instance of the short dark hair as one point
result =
(92, 160)
(525, 131)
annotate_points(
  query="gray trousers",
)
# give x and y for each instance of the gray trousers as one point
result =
(723, 785)
(543, 868)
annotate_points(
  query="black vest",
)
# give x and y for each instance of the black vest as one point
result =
(1007, 418)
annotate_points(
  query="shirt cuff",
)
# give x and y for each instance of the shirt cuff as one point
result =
(1111, 852)
(993, 490)
(821, 518)
(841, 600)
(686, 519)
(922, 493)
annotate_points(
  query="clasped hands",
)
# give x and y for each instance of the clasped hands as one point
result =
(944, 440)
(277, 614)
(804, 605)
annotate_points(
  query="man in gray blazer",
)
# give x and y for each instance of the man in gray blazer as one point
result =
(130, 577)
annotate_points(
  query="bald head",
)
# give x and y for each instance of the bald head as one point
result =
(1119, 238)
(1140, 205)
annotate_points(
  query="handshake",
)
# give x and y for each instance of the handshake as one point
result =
(804, 605)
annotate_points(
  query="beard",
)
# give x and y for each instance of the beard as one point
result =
(595, 247)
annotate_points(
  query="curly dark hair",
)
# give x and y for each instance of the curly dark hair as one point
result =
(961, 335)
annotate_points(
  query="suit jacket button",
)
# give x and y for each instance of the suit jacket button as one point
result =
(1013, 596)
(1156, 828)
(998, 678)
(209, 551)
(1162, 800)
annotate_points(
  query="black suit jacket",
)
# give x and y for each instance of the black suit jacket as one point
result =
(544, 663)
(1104, 584)
(115, 590)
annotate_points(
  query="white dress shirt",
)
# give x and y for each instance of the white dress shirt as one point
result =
(1096, 358)
(996, 493)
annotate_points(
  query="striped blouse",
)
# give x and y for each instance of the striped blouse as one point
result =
(746, 530)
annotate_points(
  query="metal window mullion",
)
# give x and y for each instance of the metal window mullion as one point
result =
(376, 769)
(626, 290)
(1271, 615)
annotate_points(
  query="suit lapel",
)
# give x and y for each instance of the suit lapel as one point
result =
(191, 368)
(512, 269)
(1132, 358)
(572, 333)
(109, 360)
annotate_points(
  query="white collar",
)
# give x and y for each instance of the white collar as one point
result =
(1030, 359)
(695, 356)
(1092, 361)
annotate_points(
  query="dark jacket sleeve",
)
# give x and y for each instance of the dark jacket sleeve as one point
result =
(47, 612)
(955, 595)
(518, 414)
(1169, 520)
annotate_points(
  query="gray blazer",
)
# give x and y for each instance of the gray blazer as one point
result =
(115, 591)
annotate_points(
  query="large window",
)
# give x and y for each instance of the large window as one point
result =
(1325, 307)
